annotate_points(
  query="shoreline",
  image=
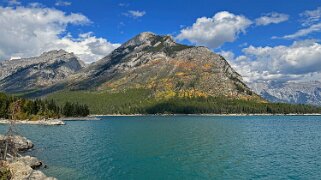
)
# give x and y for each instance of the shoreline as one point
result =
(88, 118)
(49, 122)
(22, 166)
(98, 117)
(137, 115)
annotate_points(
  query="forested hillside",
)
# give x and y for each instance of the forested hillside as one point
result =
(12, 107)
(142, 101)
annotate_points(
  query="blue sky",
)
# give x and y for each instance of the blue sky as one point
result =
(232, 28)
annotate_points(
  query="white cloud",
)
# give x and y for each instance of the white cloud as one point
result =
(311, 16)
(300, 60)
(303, 32)
(271, 18)
(228, 55)
(311, 23)
(14, 2)
(87, 47)
(123, 4)
(63, 3)
(30, 31)
(135, 14)
(213, 32)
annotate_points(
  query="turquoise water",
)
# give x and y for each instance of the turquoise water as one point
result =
(181, 147)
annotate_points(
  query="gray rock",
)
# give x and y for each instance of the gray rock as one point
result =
(38, 175)
(30, 161)
(21, 143)
(22, 171)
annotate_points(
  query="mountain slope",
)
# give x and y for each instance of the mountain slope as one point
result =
(21, 75)
(290, 92)
(149, 74)
(167, 68)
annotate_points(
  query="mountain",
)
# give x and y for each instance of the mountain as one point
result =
(167, 68)
(290, 92)
(148, 74)
(28, 74)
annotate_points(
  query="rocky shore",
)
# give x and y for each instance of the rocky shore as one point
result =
(21, 143)
(49, 122)
(23, 167)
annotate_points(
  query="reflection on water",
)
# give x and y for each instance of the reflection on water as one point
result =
(181, 147)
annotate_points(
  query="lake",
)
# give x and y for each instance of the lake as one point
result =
(180, 147)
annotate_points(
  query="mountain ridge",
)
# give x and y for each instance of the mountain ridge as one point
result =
(155, 62)
(49, 68)
(147, 61)
(290, 92)
(151, 74)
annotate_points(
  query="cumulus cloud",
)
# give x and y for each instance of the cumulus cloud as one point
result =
(63, 3)
(135, 14)
(215, 31)
(280, 63)
(30, 31)
(87, 46)
(271, 18)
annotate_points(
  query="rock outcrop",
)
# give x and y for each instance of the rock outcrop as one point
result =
(21, 143)
(30, 161)
(22, 171)
(24, 167)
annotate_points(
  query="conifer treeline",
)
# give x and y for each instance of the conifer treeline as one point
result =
(141, 101)
(200, 105)
(23, 109)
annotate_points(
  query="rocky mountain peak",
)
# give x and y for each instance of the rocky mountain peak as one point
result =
(140, 39)
(145, 36)
(55, 53)
(44, 70)
(148, 39)
(157, 62)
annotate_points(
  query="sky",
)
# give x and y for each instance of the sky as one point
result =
(264, 40)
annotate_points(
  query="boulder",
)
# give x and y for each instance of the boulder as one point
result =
(38, 175)
(30, 161)
(22, 171)
(21, 143)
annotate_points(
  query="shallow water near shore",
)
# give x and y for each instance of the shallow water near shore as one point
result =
(180, 147)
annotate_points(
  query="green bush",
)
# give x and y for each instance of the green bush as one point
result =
(5, 173)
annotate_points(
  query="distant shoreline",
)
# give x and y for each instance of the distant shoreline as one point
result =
(97, 117)
(128, 115)
(49, 122)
